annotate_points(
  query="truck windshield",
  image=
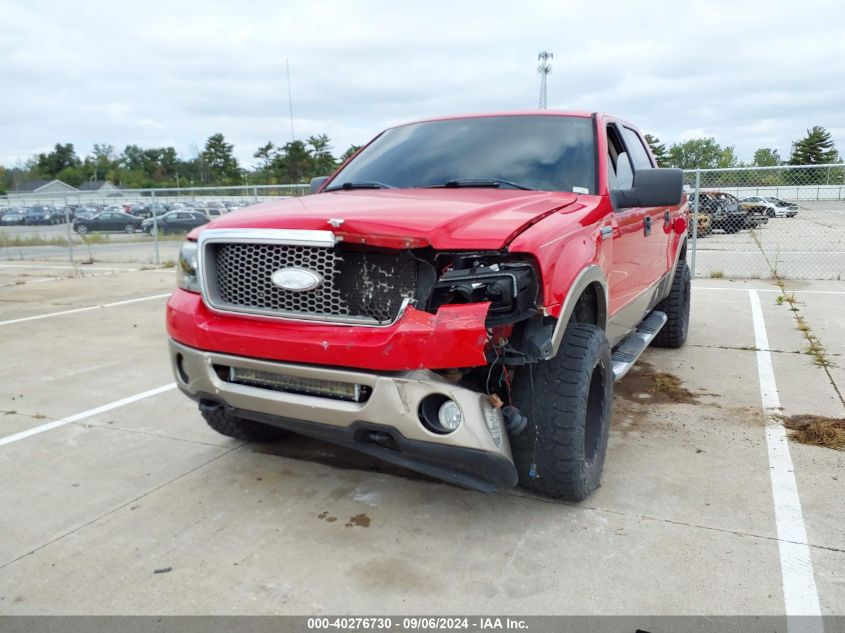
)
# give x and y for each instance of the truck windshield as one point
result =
(547, 152)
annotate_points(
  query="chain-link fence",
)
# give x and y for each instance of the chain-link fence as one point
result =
(767, 222)
(89, 226)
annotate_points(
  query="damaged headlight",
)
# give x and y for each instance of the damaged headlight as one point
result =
(511, 289)
(187, 268)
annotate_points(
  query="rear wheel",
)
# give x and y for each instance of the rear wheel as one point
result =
(568, 403)
(676, 307)
(239, 428)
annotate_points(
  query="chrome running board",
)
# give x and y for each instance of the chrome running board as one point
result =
(628, 351)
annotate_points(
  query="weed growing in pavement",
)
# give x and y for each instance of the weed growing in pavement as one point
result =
(815, 347)
(716, 274)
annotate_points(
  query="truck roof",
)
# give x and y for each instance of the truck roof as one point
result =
(475, 115)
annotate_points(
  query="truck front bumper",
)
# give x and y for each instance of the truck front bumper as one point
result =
(386, 424)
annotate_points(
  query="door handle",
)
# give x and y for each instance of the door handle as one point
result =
(667, 219)
(647, 225)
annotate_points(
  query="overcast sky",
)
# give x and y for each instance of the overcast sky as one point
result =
(751, 74)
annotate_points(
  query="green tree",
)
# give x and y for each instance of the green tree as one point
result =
(349, 152)
(220, 162)
(816, 148)
(321, 152)
(766, 157)
(265, 154)
(62, 157)
(293, 163)
(100, 164)
(702, 153)
(658, 149)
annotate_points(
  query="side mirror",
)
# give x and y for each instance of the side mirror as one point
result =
(316, 183)
(658, 187)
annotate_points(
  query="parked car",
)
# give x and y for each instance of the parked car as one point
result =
(704, 226)
(138, 209)
(13, 217)
(724, 210)
(85, 212)
(219, 206)
(176, 222)
(517, 259)
(791, 208)
(107, 221)
(774, 207)
(757, 213)
(40, 215)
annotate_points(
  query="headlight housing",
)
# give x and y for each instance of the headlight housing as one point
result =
(187, 268)
(510, 287)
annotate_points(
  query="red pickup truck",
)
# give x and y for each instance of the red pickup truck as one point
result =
(457, 298)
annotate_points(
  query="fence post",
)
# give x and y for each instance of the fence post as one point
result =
(69, 240)
(695, 220)
(254, 193)
(157, 260)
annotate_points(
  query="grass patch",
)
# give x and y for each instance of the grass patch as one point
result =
(18, 241)
(816, 430)
(716, 274)
(815, 347)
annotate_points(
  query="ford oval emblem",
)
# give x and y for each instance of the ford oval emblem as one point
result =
(296, 279)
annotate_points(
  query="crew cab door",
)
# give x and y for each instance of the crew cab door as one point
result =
(641, 238)
(658, 220)
(628, 274)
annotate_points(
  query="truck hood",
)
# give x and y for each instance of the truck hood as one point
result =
(467, 218)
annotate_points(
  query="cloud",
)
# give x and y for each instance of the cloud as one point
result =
(158, 72)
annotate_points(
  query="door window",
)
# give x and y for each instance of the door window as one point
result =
(636, 149)
(619, 169)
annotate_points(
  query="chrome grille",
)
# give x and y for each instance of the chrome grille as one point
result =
(357, 287)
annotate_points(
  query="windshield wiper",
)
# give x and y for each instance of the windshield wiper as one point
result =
(482, 182)
(347, 186)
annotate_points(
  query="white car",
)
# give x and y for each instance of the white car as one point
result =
(775, 207)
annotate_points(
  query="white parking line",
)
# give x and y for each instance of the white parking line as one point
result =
(799, 585)
(86, 309)
(85, 414)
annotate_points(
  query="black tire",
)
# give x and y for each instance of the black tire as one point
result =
(239, 428)
(676, 307)
(568, 401)
(129, 228)
(82, 229)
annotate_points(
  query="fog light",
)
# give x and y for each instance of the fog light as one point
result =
(449, 415)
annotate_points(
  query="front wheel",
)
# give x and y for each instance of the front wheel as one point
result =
(239, 428)
(568, 403)
(129, 228)
(82, 229)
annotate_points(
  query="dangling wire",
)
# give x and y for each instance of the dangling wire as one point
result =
(490, 371)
